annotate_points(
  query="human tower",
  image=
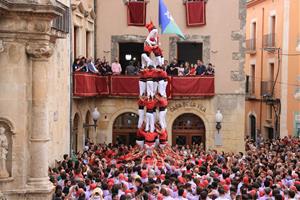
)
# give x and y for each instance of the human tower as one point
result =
(152, 136)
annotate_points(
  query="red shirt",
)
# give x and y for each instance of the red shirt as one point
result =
(140, 133)
(162, 102)
(163, 137)
(141, 102)
(150, 137)
(149, 73)
(142, 74)
(150, 104)
(162, 74)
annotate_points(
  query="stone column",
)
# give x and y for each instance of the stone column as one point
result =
(39, 53)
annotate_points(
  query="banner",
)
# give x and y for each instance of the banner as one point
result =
(195, 13)
(136, 13)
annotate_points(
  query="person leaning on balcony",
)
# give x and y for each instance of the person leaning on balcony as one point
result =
(82, 65)
(91, 67)
(116, 67)
(201, 69)
(193, 70)
(131, 70)
(210, 69)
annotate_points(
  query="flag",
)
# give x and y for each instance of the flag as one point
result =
(166, 21)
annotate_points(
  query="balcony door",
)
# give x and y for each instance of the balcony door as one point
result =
(125, 128)
(130, 51)
(189, 51)
(188, 129)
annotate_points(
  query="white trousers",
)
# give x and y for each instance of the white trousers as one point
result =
(155, 87)
(141, 117)
(162, 118)
(142, 86)
(162, 88)
(150, 89)
(155, 115)
(149, 122)
(146, 61)
(158, 61)
(140, 144)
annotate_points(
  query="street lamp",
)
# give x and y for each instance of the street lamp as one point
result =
(95, 116)
(219, 118)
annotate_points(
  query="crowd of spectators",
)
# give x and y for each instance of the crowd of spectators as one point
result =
(268, 170)
(175, 68)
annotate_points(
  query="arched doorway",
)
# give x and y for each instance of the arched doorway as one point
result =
(188, 129)
(124, 129)
(252, 127)
(74, 134)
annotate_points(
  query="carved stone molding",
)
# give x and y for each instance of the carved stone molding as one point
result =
(1, 46)
(39, 50)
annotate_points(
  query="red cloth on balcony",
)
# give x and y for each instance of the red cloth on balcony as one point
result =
(136, 13)
(195, 13)
(87, 85)
(193, 86)
(124, 85)
(84, 84)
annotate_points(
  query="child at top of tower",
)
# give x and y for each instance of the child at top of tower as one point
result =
(151, 44)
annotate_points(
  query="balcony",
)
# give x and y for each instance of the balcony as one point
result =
(251, 46)
(269, 42)
(266, 89)
(90, 85)
(250, 88)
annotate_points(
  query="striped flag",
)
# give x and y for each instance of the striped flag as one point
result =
(166, 21)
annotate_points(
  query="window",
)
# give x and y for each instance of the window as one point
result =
(189, 51)
(88, 44)
(271, 77)
(253, 36)
(75, 41)
(273, 24)
(62, 23)
(252, 80)
(269, 112)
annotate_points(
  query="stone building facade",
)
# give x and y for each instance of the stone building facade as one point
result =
(225, 49)
(35, 88)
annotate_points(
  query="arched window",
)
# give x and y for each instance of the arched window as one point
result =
(124, 128)
(188, 129)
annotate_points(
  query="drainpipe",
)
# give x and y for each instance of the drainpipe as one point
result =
(95, 29)
(71, 75)
(261, 70)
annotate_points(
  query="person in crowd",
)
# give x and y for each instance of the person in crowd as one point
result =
(210, 69)
(75, 65)
(186, 71)
(105, 69)
(91, 67)
(180, 70)
(116, 67)
(201, 69)
(131, 70)
(82, 65)
(193, 70)
(172, 68)
(268, 171)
